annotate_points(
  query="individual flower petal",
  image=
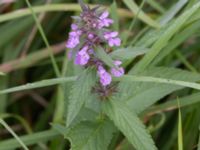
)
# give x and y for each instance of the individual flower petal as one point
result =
(119, 71)
(105, 77)
(74, 27)
(72, 42)
(109, 35)
(90, 36)
(104, 15)
(114, 42)
(82, 57)
(117, 62)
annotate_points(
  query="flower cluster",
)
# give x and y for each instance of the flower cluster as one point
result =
(88, 32)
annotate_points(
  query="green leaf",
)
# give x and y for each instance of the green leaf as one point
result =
(140, 95)
(128, 53)
(80, 93)
(91, 136)
(114, 15)
(129, 78)
(129, 124)
(167, 35)
(172, 104)
(156, 6)
(102, 55)
(134, 8)
(173, 11)
(177, 40)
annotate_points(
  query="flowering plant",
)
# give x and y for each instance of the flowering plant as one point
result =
(89, 32)
(108, 87)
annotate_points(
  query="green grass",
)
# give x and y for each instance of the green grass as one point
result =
(47, 102)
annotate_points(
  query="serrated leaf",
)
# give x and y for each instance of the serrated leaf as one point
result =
(80, 92)
(128, 53)
(60, 128)
(130, 125)
(140, 96)
(142, 16)
(102, 55)
(91, 136)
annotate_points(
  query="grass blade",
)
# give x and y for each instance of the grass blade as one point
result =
(14, 134)
(180, 130)
(130, 78)
(166, 36)
(134, 8)
(38, 84)
(52, 8)
(173, 11)
(29, 139)
(39, 26)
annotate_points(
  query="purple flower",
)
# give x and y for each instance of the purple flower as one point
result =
(74, 37)
(105, 77)
(82, 57)
(72, 42)
(117, 72)
(74, 27)
(112, 38)
(90, 36)
(104, 21)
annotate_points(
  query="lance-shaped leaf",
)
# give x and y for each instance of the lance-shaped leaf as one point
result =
(102, 55)
(91, 135)
(129, 124)
(80, 93)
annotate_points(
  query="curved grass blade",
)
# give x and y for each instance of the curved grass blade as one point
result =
(39, 26)
(31, 139)
(180, 130)
(173, 11)
(14, 134)
(166, 36)
(135, 78)
(52, 8)
(38, 84)
(134, 8)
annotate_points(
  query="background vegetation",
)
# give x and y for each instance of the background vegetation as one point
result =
(160, 46)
